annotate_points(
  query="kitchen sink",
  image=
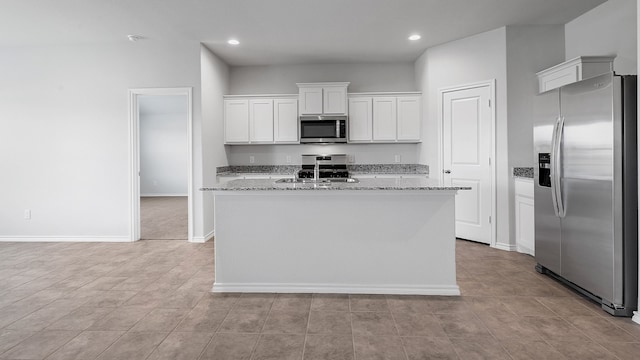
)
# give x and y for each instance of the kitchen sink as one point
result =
(319, 181)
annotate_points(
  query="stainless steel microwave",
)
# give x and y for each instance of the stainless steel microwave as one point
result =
(325, 129)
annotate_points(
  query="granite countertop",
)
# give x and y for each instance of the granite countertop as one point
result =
(238, 170)
(364, 184)
(523, 172)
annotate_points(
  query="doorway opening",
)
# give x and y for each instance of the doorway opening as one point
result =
(161, 164)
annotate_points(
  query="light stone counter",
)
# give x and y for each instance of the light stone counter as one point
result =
(417, 184)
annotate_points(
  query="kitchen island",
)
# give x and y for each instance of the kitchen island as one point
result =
(377, 236)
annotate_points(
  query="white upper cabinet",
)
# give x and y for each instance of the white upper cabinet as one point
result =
(360, 119)
(261, 120)
(409, 118)
(384, 119)
(335, 100)
(236, 121)
(285, 121)
(323, 98)
(577, 69)
(311, 101)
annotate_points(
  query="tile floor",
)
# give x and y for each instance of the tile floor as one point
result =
(150, 300)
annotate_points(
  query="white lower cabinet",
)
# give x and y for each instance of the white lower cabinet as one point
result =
(384, 118)
(256, 120)
(525, 221)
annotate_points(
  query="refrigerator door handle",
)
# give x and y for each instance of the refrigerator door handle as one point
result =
(553, 164)
(558, 169)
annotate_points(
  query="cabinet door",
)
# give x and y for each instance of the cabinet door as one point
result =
(335, 100)
(360, 119)
(409, 118)
(285, 120)
(384, 119)
(261, 120)
(236, 121)
(310, 101)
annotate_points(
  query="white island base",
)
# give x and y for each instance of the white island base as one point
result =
(336, 241)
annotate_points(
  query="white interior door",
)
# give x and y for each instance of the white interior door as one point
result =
(467, 148)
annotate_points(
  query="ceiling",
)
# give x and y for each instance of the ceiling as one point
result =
(278, 31)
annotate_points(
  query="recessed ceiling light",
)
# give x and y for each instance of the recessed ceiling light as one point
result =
(415, 37)
(134, 38)
(233, 42)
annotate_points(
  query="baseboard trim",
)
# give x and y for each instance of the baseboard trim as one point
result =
(636, 317)
(203, 239)
(65, 239)
(161, 195)
(505, 247)
(525, 250)
(443, 290)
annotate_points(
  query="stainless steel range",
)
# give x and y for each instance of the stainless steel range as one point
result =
(325, 166)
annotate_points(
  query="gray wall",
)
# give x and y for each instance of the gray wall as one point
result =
(163, 145)
(64, 133)
(609, 29)
(215, 83)
(282, 79)
(470, 60)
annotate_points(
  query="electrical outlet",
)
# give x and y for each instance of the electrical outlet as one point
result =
(288, 159)
(350, 159)
(397, 158)
(27, 214)
(252, 159)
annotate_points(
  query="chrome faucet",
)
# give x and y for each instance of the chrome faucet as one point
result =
(316, 171)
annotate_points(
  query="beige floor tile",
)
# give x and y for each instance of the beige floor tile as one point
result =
(330, 302)
(181, 346)
(479, 348)
(11, 338)
(40, 344)
(329, 322)
(292, 302)
(624, 351)
(122, 318)
(581, 350)
(328, 347)
(202, 318)
(110, 298)
(378, 347)
(409, 304)
(243, 321)
(254, 302)
(160, 320)
(286, 322)
(421, 348)
(373, 323)
(368, 303)
(219, 301)
(133, 345)
(567, 306)
(554, 328)
(510, 326)
(532, 349)
(230, 347)
(87, 345)
(600, 329)
(464, 326)
(80, 319)
(409, 324)
(279, 347)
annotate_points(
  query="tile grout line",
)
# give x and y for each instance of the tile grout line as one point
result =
(395, 325)
(306, 331)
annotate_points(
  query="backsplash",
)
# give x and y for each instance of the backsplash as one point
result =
(354, 168)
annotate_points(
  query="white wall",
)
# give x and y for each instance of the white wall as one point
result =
(636, 317)
(163, 145)
(474, 59)
(215, 83)
(282, 79)
(609, 29)
(64, 134)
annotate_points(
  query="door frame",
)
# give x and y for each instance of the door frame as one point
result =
(492, 96)
(134, 156)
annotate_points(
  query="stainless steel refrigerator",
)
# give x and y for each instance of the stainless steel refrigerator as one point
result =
(586, 199)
